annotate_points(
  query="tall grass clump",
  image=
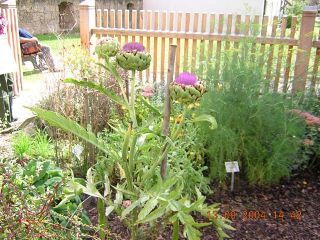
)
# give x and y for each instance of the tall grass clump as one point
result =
(256, 127)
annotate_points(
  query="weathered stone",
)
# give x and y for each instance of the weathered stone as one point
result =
(43, 16)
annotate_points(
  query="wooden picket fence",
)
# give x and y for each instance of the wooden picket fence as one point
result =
(9, 10)
(286, 54)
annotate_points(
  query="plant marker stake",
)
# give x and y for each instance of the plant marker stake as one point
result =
(232, 181)
(167, 109)
(232, 167)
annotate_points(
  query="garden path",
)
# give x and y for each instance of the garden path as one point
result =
(36, 86)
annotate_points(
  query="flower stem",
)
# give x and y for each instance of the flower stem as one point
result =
(101, 218)
(132, 100)
(175, 233)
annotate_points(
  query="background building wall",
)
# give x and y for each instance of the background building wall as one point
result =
(253, 7)
(273, 8)
(42, 16)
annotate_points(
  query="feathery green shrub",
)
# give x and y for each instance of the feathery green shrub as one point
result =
(255, 127)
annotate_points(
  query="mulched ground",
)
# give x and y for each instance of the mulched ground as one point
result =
(290, 210)
(287, 211)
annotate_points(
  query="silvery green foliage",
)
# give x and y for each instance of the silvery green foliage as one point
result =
(134, 60)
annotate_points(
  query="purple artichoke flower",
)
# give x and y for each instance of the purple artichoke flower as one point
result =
(3, 24)
(133, 57)
(187, 79)
(186, 89)
(133, 47)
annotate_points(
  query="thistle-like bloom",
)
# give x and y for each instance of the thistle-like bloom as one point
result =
(133, 47)
(133, 57)
(187, 89)
(3, 24)
(107, 47)
(187, 79)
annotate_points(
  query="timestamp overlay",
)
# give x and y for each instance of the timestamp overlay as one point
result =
(258, 215)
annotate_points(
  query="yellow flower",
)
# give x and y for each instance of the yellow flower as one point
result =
(178, 119)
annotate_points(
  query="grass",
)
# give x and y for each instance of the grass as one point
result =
(59, 42)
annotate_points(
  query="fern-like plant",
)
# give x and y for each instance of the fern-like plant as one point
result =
(255, 127)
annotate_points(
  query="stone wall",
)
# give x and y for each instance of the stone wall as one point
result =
(43, 16)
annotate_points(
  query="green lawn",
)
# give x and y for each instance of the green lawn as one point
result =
(58, 42)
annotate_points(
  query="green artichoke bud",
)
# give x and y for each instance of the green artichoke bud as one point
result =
(133, 57)
(107, 47)
(186, 89)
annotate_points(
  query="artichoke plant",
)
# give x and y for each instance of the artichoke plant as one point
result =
(186, 89)
(133, 57)
(107, 47)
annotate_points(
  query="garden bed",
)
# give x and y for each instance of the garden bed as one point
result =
(289, 210)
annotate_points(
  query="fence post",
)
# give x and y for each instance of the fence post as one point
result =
(304, 49)
(87, 22)
(9, 10)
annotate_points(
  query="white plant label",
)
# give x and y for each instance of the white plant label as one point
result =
(232, 167)
(77, 150)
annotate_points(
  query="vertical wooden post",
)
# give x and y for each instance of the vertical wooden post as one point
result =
(87, 22)
(167, 104)
(304, 49)
(9, 10)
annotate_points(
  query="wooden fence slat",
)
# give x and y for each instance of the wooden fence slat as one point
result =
(140, 26)
(211, 30)
(202, 42)
(163, 44)
(280, 55)
(171, 25)
(271, 52)
(178, 57)
(264, 30)
(237, 32)
(186, 43)
(254, 33)
(194, 42)
(247, 25)
(126, 24)
(99, 21)
(229, 28)
(148, 26)
(134, 23)
(219, 43)
(155, 45)
(119, 24)
(289, 56)
(105, 17)
(112, 19)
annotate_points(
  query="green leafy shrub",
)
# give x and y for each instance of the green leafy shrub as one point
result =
(255, 127)
(295, 8)
(28, 196)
